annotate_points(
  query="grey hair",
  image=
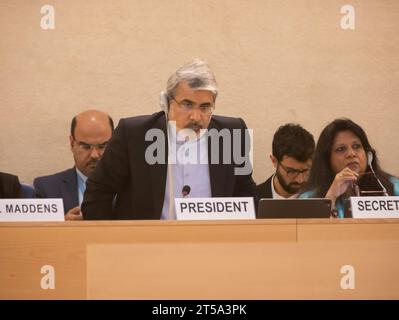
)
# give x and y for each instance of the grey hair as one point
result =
(198, 76)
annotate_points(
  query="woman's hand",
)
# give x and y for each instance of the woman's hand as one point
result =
(342, 181)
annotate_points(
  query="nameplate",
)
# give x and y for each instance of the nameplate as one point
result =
(375, 207)
(31, 210)
(215, 208)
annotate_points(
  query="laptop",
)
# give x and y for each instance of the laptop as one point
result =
(294, 208)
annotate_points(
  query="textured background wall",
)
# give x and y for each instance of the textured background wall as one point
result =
(275, 62)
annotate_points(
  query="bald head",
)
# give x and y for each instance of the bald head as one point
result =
(90, 132)
(91, 117)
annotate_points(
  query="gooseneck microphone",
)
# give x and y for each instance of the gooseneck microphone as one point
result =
(370, 158)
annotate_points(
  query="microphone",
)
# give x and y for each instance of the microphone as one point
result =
(370, 158)
(186, 191)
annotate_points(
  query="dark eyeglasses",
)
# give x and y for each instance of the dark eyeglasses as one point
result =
(293, 173)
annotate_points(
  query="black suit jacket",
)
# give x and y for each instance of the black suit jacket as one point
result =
(264, 190)
(9, 186)
(140, 187)
(59, 185)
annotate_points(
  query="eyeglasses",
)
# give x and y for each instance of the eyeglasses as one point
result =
(293, 173)
(84, 146)
(188, 106)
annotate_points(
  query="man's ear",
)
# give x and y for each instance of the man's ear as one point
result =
(274, 160)
(71, 140)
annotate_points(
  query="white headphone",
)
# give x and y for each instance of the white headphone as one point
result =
(164, 102)
(370, 157)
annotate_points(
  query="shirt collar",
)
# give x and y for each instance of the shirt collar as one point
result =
(81, 175)
(274, 192)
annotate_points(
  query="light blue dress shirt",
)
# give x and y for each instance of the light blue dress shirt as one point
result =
(189, 167)
(81, 185)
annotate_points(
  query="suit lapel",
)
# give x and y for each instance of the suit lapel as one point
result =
(158, 172)
(69, 189)
(217, 172)
(268, 187)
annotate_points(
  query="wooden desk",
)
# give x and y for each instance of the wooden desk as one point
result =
(260, 259)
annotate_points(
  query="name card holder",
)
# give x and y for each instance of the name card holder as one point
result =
(215, 208)
(375, 207)
(31, 210)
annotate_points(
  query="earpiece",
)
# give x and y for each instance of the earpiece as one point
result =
(370, 157)
(164, 102)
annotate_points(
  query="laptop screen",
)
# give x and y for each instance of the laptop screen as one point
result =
(294, 208)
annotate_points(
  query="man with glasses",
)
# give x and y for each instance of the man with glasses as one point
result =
(90, 132)
(146, 180)
(293, 149)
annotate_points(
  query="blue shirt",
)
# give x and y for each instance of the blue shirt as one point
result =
(81, 185)
(188, 161)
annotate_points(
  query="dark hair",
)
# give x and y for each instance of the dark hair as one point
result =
(321, 173)
(74, 122)
(292, 140)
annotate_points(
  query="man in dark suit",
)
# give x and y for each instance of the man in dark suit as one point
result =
(292, 149)
(9, 186)
(146, 179)
(90, 133)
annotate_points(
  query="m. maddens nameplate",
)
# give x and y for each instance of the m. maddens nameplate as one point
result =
(31, 210)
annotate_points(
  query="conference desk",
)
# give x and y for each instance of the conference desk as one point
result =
(254, 259)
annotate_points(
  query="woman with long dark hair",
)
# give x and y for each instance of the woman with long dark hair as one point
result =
(341, 169)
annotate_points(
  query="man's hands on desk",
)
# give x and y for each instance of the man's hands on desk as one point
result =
(74, 214)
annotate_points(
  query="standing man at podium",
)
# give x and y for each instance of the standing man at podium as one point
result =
(185, 162)
(90, 133)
